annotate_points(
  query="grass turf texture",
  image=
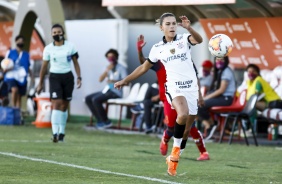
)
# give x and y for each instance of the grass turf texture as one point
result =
(129, 154)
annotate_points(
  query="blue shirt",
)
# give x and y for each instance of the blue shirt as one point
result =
(228, 75)
(21, 60)
(116, 74)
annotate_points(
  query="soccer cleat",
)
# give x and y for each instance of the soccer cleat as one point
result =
(203, 156)
(55, 138)
(172, 161)
(172, 165)
(163, 146)
(61, 137)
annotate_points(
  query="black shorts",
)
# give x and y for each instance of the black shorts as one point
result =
(61, 85)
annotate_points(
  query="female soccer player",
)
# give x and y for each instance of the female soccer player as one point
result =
(174, 51)
(59, 54)
(170, 114)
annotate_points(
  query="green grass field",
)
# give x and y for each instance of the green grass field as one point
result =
(27, 155)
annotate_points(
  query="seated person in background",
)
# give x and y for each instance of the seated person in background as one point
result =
(114, 72)
(221, 92)
(206, 79)
(151, 97)
(257, 85)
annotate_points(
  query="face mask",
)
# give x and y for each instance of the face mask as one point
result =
(219, 64)
(206, 73)
(112, 59)
(58, 38)
(20, 45)
(252, 76)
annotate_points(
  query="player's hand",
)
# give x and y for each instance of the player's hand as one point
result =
(39, 88)
(140, 43)
(78, 83)
(185, 22)
(120, 84)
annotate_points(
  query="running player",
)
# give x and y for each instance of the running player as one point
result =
(59, 54)
(174, 51)
(170, 114)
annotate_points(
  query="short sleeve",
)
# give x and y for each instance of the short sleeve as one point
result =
(123, 72)
(46, 54)
(73, 49)
(153, 57)
(226, 75)
(258, 87)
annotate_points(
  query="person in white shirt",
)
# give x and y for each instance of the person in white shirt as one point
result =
(174, 51)
(59, 54)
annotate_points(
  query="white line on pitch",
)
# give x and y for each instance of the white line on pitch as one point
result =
(36, 141)
(86, 168)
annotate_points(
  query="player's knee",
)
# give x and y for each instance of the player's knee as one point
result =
(182, 118)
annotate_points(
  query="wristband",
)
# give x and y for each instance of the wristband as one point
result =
(139, 45)
(79, 78)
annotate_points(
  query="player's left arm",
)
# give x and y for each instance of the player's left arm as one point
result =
(195, 37)
(77, 69)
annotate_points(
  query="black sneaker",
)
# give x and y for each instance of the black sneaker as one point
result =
(55, 138)
(61, 137)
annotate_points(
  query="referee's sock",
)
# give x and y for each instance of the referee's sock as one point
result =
(63, 123)
(56, 118)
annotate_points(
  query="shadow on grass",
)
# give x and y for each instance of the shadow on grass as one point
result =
(146, 152)
(237, 166)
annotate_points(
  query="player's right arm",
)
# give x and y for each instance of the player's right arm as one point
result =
(43, 70)
(140, 44)
(140, 70)
(42, 73)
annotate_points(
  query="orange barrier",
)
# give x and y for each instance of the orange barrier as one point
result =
(44, 109)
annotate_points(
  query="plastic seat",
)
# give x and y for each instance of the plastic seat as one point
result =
(237, 105)
(248, 111)
(127, 97)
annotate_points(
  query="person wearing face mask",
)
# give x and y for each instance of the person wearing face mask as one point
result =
(60, 54)
(221, 92)
(257, 85)
(16, 78)
(206, 79)
(113, 73)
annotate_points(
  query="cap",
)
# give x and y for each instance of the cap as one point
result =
(207, 63)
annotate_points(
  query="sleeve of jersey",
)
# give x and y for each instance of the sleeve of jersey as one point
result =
(187, 36)
(153, 55)
(46, 54)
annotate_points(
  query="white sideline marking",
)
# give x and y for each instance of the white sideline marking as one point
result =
(86, 168)
(278, 148)
(36, 141)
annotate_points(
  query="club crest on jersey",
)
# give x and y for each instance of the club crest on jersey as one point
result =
(180, 45)
(172, 51)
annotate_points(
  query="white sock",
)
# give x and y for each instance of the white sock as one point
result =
(181, 151)
(62, 126)
(55, 120)
(177, 142)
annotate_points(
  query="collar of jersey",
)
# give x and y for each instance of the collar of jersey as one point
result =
(164, 40)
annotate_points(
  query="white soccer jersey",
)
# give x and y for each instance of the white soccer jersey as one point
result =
(176, 58)
(60, 57)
